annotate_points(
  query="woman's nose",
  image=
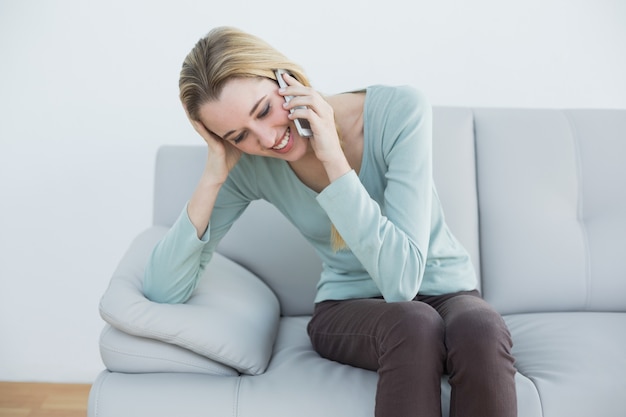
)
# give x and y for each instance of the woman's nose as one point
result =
(266, 137)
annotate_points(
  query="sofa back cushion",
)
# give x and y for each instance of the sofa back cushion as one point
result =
(552, 198)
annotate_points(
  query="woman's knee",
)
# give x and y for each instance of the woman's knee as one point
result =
(479, 325)
(414, 326)
(478, 335)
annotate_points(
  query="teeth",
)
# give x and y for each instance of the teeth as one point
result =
(283, 142)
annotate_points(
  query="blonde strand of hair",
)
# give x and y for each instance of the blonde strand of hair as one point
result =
(336, 241)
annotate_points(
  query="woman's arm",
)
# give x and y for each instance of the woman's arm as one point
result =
(221, 158)
(391, 237)
(176, 262)
(178, 259)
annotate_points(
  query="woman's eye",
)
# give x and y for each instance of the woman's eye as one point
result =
(239, 138)
(265, 111)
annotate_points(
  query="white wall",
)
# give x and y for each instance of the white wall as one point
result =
(88, 91)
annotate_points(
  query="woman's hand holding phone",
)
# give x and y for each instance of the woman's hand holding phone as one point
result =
(307, 104)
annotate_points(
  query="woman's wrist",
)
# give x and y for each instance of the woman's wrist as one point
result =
(337, 169)
(201, 205)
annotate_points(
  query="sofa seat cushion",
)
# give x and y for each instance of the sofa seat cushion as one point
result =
(231, 318)
(310, 385)
(116, 394)
(575, 359)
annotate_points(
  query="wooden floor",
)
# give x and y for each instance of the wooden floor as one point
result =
(19, 399)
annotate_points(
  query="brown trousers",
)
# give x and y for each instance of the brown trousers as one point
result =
(412, 344)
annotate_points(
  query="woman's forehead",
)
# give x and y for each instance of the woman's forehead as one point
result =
(235, 103)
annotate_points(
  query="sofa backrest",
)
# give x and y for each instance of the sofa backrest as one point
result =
(552, 198)
(546, 190)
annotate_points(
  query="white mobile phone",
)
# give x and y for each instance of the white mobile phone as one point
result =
(303, 125)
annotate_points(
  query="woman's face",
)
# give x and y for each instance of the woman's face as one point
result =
(249, 114)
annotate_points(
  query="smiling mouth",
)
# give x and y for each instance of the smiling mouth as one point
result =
(283, 143)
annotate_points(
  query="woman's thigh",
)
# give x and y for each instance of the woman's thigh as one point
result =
(360, 332)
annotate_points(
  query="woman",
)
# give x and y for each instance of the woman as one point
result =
(398, 292)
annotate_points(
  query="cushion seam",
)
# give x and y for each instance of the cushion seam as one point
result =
(580, 207)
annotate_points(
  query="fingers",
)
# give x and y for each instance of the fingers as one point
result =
(295, 89)
(305, 102)
(200, 128)
(208, 136)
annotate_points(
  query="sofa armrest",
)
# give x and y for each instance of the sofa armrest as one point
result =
(231, 318)
(122, 352)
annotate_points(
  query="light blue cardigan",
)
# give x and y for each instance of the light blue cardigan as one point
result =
(389, 215)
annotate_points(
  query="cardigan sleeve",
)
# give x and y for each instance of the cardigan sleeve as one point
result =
(179, 258)
(391, 237)
(176, 261)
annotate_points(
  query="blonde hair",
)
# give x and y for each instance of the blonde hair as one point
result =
(226, 53)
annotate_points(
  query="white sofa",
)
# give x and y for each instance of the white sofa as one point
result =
(537, 196)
